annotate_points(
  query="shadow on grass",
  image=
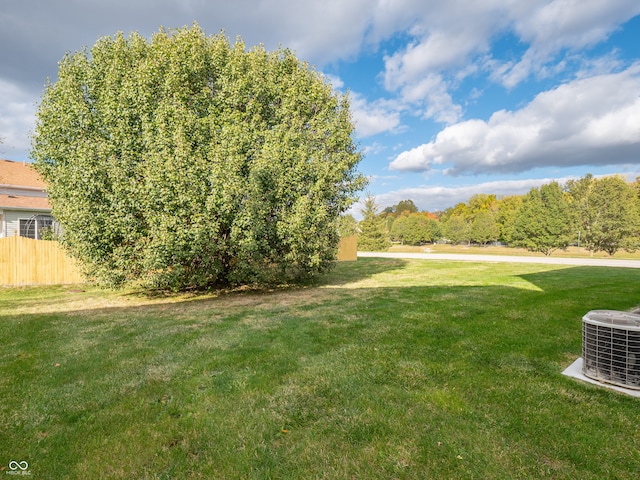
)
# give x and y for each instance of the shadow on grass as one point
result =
(349, 272)
(432, 379)
(341, 273)
(600, 287)
(15, 299)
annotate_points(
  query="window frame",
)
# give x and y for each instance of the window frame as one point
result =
(33, 227)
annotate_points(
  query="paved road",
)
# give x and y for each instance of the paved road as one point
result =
(596, 262)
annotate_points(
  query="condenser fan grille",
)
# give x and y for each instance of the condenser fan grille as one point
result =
(611, 347)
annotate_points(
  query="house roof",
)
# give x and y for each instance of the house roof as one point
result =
(18, 174)
(21, 187)
(23, 202)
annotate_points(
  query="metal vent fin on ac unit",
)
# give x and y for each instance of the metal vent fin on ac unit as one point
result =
(611, 347)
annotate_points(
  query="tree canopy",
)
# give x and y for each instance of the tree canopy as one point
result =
(612, 218)
(187, 161)
(415, 229)
(484, 228)
(456, 229)
(405, 207)
(544, 222)
(506, 215)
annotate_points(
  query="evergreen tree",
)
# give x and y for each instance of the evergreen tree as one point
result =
(373, 235)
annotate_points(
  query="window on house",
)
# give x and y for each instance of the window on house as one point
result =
(27, 228)
(35, 227)
(44, 225)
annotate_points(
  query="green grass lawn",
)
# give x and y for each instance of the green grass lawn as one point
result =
(383, 369)
(570, 252)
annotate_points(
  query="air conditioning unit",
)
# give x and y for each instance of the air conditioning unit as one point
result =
(611, 347)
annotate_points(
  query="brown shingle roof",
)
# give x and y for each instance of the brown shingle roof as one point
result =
(23, 201)
(19, 174)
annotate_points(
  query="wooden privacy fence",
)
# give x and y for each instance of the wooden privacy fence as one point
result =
(348, 249)
(24, 261)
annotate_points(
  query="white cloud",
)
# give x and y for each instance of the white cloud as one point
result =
(375, 117)
(431, 97)
(436, 52)
(447, 35)
(573, 23)
(336, 82)
(452, 40)
(559, 25)
(591, 121)
(373, 149)
(319, 30)
(602, 65)
(39, 32)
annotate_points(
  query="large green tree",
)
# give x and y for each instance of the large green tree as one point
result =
(405, 207)
(186, 161)
(607, 213)
(460, 210)
(578, 192)
(506, 215)
(456, 229)
(484, 228)
(612, 220)
(482, 202)
(415, 229)
(544, 221)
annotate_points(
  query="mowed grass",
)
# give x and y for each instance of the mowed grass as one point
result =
(383, 369)
(570, 252)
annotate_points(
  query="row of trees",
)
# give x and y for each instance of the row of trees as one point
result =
(600, 214)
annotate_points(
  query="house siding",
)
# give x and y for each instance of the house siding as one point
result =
(11, 220)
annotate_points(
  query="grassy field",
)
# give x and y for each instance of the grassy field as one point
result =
(571, 252)
(383, 369)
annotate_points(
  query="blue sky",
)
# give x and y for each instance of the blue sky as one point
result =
(449, 98)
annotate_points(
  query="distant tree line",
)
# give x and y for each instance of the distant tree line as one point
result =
(599, 214)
